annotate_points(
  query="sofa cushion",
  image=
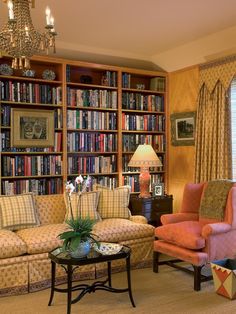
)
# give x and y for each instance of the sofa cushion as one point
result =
(118, 229)
(18, 212)
(83, 205)
(51, 208)
(113, 203)
(42, 239)
(176, 233)
(11, 245)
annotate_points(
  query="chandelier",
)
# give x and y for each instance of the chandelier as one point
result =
(18, 37)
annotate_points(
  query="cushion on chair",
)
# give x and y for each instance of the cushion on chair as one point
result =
(192, 197)
(186, 234)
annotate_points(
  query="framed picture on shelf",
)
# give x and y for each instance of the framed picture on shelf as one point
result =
(183, 128)
(158, 189)
(32, 128)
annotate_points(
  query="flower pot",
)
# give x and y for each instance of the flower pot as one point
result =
(81, 251)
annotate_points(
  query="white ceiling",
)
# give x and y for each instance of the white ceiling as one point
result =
(171, 34)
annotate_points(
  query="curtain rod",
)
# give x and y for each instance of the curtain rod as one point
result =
(217, 62)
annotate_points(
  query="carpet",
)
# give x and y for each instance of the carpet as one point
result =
(169, 291)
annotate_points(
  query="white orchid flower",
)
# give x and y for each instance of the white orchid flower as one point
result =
(70, 188)
(79, 179)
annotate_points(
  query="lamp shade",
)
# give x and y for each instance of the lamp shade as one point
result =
(144, 156)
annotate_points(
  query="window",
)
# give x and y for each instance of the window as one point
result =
(233, 125)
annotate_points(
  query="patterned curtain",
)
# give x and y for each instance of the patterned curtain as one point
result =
(213, 158)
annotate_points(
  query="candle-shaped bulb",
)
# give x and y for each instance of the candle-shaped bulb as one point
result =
(52, 20)
(10, 9)
(48, 13)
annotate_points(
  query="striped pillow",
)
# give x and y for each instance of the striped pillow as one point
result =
(113, 203)
(18, 212)
(86, 202)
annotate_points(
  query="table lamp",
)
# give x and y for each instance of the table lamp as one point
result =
(144, 157)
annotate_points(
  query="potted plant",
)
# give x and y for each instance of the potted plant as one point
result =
(78, 239)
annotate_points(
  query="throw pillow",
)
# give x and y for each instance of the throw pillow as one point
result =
(113, 203)
(84, 204)
(18, 212)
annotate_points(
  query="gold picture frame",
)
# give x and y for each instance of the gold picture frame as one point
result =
(32, 128)
(183, 126)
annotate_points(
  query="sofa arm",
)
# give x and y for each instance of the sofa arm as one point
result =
(139, 219)
(177, 217)
(215, 228)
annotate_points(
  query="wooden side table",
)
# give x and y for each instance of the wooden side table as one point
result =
(152, 208)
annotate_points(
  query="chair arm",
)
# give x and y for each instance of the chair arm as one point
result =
(215, 228)
(138, 219)
(177, 217)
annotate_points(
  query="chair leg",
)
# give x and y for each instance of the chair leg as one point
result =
(156, 261)
(197, 277)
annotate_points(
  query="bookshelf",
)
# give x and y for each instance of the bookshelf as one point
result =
(101, 113)
(35, 167)
(143, 122)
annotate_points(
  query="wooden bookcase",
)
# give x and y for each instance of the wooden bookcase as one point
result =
(101, 113)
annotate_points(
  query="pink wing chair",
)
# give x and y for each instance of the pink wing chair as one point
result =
(188, 237)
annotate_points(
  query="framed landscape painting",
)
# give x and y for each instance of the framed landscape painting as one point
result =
(32, 128)
(183, 128)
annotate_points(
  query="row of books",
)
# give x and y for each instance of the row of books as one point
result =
(137, 101)
(91, 142)
(109, 78)
(5, 144)
(92, 164)
(101, 98)
(91, 120)
(148, 122)
(126, 159)
(6, 116)
(133, 181)
(31, 165)
(30, 92)
(40, 187)
(126, 80)
(131, 141)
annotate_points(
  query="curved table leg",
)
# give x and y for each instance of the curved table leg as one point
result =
(129, 280)
(53, 272)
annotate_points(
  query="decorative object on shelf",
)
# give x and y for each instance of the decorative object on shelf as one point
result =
(28, 73)
(183, 128)
(144, 157)
(5, 69)
(158, 189)
(79, 237)
(18, 37)
(32, 128)
(48, 75)
(140, 86)
(106, 248)
(86, 79)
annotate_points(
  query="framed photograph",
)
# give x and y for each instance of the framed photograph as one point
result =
(32, 128)
(158, 189)
(183, 128)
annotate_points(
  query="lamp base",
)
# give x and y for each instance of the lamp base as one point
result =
(144, 182)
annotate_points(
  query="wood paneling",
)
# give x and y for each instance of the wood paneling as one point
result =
(183, 92)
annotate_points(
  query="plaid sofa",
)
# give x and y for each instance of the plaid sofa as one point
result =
(24, 263)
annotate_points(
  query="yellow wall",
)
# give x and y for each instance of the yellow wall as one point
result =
(183, 91)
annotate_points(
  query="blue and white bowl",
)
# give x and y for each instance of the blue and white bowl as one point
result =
(48, 75)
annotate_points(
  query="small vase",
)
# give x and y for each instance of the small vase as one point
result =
(81, 251)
